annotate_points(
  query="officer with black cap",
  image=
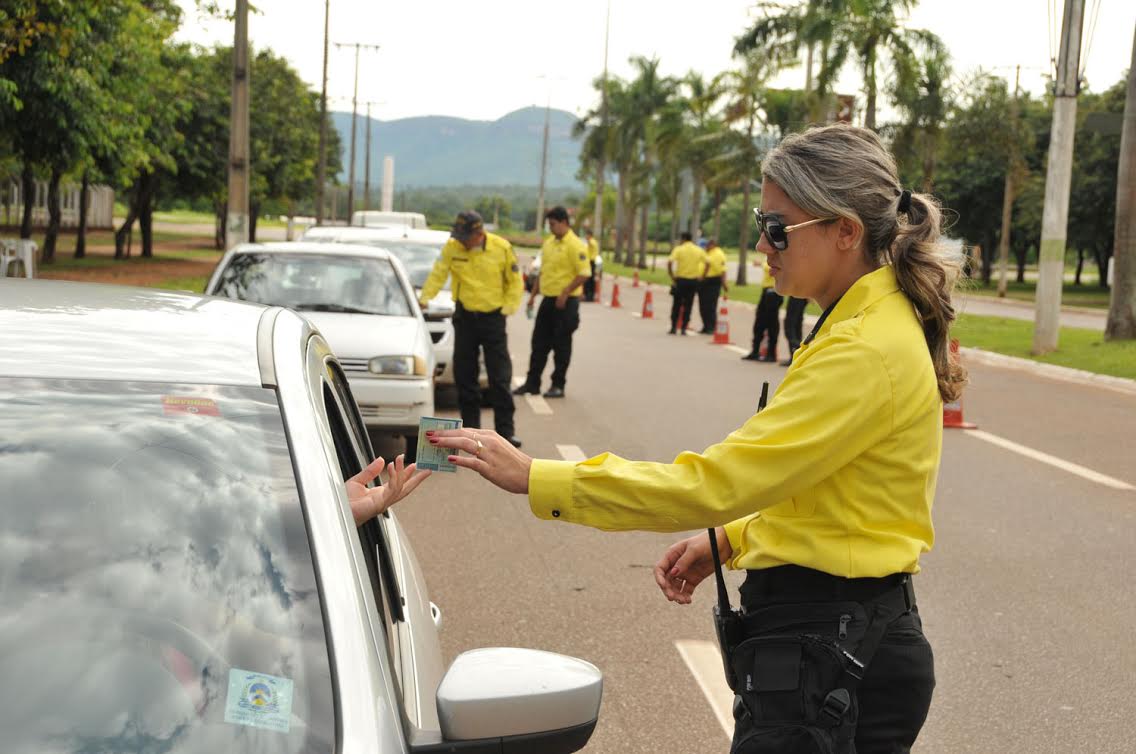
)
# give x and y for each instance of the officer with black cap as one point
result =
(487, 288)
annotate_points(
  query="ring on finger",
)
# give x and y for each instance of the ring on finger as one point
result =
(480, 448)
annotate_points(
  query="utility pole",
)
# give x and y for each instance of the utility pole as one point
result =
(367, 165)
(1058, 178)
(237, 218)
(597, 219)
(354, 118)
(321, 170)
(543, 167)
(1012, 168)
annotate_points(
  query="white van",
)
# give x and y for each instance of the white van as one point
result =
(375, 219)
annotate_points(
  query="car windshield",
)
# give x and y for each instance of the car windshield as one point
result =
(416, 256)
(316, 282)
(157, 589)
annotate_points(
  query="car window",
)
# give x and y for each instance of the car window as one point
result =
(417, 257)
(373, 537)
(316, 282)
(157, 588)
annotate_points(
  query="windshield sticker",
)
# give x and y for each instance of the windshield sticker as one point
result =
(259, 700)
(172, 404)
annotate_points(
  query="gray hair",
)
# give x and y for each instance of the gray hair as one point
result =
(845, 171)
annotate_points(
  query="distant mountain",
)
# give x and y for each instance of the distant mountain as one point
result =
(444, 151)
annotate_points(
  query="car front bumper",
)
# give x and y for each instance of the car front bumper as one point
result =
(442, 338)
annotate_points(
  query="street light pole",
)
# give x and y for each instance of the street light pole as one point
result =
(321, 171)
(354, 118)
(237, 217)
(543, 168)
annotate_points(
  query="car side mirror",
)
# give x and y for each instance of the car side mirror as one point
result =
(510, 701)
(436, 310)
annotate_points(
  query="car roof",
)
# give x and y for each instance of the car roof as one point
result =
(69, 330)
(312, 247)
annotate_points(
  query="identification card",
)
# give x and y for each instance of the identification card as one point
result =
(431, 457)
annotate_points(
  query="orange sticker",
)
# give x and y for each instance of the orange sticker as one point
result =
(172, 404)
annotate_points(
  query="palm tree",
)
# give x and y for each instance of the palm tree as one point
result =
(923, 96)
(699, 103)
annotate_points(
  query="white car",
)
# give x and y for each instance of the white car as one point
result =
(361, 300)
(181, 571)
(374, 218)
(418, 250)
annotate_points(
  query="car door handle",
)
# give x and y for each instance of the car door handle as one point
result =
(436, 614)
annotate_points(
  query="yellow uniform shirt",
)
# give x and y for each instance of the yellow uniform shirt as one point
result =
(485, 278)
(689, 260)
(715, 262)
(561, 261)
(836, 474)
(767, 280)
(593, 249)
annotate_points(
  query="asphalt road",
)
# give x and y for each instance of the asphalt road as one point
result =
(1026, 596)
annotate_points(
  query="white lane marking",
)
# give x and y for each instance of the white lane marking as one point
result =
(639, 314)
(705, 663)
(571, 453)
(1037, 455)
(538, 405)
(737, 349)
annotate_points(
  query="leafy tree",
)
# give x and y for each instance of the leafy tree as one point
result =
(493, 206)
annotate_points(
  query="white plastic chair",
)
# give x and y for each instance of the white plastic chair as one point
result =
(7, 255)
(18, 251)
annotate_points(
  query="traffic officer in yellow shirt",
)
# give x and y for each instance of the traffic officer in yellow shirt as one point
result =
(767, 319)
(713, 283)
(563, 269)
(593, 253)
(487, 288)
(686, 266)
(824, 498)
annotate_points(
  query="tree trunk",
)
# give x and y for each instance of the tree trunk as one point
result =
(1122, 303)
(120, 235)
(743, 237)
(642, 262)
(620, 201)
(27, 188)
(148, 189)
(1080, 266)
(629, 237)
(696, 211)
(717, 214)
(1020, 257)
(84, 204)
(254, 212)
(1102, 254)
(220, 211)
(870, 87)
(54, 215)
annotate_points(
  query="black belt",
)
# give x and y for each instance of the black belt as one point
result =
(471, 313)
(791, 583)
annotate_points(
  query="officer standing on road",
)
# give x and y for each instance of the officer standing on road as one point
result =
(711, 286)
(593, 252)
(794, 325)
(487, 288)
(563, 269)
(766, 320)
(825, 496)
(686, 266)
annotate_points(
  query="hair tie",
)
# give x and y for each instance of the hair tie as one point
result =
(904, 201)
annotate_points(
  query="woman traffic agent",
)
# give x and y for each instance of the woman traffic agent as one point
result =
(824, 498)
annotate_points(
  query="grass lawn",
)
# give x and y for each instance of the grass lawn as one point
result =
(204, 218)
(1079, 349)
(1089, 295)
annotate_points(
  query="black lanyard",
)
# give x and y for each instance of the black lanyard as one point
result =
(819, 322)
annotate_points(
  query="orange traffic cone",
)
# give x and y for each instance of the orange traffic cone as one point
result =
(635, 279)
(648, 305)
(952, 412)
(615, 296)
(722, 327)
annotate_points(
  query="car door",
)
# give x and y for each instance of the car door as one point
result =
(408, 619)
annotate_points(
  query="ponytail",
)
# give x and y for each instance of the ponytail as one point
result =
(926, 273)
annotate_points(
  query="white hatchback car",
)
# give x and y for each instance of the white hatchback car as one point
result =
(418, 250)
(361, 300)
(181, 571)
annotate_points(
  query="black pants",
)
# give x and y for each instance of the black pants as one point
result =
(685, 289)
(485, 331)
(590, 285)
(552, 332)
(895, 694)
(766, 322)
(794, 322)
(708, 292)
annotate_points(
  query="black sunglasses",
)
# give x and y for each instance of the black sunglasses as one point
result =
(776, 230)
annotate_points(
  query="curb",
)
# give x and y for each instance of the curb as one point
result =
(1052, 371)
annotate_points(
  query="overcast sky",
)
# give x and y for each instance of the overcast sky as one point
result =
(483, 60)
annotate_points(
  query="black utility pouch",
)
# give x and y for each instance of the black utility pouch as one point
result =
(793, 672)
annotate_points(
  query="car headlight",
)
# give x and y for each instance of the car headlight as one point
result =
(398, 366)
